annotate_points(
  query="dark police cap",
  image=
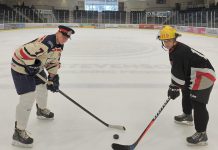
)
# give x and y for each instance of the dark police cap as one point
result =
(66, 31)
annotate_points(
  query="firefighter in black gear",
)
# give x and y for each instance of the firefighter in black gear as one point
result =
(193, 73)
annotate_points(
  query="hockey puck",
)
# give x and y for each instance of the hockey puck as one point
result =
(116, 136)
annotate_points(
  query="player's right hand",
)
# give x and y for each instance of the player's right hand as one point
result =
(54, 86)
(173, 92)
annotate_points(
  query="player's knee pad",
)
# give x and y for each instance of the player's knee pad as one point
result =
(41, 90)
(41, 95)
(27, 100)
(23, 109)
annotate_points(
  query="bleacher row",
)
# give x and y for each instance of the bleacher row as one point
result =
(19, 14)
(30, 14)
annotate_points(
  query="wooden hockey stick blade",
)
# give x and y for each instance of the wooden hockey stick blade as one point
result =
(117, 127)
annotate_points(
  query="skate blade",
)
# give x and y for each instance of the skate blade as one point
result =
(185, 123)
(19, 144)
(44, 118)
(203, 143)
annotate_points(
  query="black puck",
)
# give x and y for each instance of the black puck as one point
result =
(116, 136)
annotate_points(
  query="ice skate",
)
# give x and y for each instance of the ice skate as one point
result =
(184, 119)
(44, 113)
(22, 139)
(199, 138)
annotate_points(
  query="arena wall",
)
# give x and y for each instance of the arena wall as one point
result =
(190, 29)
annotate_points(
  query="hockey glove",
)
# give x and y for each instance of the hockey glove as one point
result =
(173, 92)
(33, 69)
(54, 86)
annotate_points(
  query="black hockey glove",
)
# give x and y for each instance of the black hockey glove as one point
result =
(33, 69)
(55, 86)
(173, 92)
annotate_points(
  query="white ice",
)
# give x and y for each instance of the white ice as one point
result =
(121, 76)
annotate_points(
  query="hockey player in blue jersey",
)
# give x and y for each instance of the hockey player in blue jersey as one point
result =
(193, 73)
(40, 56)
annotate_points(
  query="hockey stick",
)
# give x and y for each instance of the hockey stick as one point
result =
(132, 147)
(62, 93)
(65, 95)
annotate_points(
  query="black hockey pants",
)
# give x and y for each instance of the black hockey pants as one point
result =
(197, 102)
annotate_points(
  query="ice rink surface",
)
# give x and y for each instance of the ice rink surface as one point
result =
(120, 75)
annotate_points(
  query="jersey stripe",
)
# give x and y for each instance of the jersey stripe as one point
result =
(177, 80)
(28, 52)
(25, 56)
(198, 79)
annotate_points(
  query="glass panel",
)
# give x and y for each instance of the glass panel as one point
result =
(101, 5)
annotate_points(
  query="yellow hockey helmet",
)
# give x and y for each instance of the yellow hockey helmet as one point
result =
(168, 32)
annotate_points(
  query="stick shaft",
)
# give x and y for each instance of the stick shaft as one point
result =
(132, 147)
(62, 93)
(69, 98)
(151, 122)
